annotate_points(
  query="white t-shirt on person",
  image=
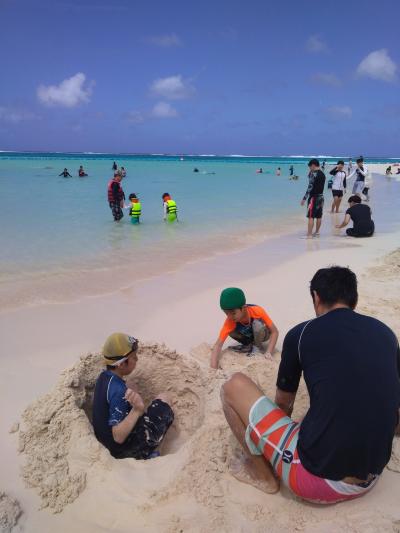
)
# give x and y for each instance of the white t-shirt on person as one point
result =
(338, 180)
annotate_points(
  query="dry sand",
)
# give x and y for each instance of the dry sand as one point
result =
(189, 488)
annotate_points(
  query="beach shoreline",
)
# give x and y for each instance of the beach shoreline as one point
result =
(180, 309)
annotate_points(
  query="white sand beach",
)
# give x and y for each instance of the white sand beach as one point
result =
(63, 479)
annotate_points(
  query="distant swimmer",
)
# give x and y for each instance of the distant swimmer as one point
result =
(278, 171)
(360, 214)
(135, 210)
(195, 170)
(81, 172)
(170, 208)
(123, 172)
(116, 196)
(65, 173)
(259, 171)
(291, 170)
(398, 171)
(338, 185)
(115, 166)
(323, 166)
(294, 177)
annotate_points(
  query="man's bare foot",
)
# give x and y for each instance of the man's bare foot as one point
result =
(243, 469)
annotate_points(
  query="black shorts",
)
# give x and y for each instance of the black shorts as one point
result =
(116, 210)
(337, 193)
(149, 431)
(315, 207)
(361, 232)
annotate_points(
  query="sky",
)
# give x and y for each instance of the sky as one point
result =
(211, 77)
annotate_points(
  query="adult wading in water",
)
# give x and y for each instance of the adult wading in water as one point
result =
(116, 196)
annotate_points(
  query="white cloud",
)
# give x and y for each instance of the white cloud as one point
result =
(9, 114)
(337, 112)
(326, 79)
(165, 41)
(172, 88)
(134, 117)
(164, 110)
(315, 44)
(69, 93)
(378, 65)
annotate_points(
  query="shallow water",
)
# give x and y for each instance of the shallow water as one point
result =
(60, 232)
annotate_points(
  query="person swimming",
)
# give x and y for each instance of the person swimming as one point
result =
(259, 171)
(170, 208)
(65, 173)
(81, 172)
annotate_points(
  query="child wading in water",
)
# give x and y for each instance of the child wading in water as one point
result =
(135, 209)
(248, 324)
(170, 208)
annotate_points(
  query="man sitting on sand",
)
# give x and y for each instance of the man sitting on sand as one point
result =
(248, 324)
(351, 368)
(120, 421)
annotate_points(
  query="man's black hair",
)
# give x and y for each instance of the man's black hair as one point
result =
(313, 162)
(335, 285)
(360, 160)
(340, 162)
(355, 199)
(132, 195)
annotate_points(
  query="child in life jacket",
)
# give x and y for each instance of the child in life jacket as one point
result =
(135, 209)
(170, 208)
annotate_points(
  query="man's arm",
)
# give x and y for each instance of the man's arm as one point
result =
(351, 174)
(216, 353)
(121, 431)
(346, 220)
(285, 400)
(311, 180)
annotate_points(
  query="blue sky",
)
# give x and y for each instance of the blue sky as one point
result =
(232, 77)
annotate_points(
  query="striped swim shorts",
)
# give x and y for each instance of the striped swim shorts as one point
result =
(273, 434)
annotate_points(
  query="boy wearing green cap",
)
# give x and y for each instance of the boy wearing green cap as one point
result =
(248, 324)
(120, 421)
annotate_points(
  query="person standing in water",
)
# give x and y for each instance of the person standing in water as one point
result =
(170, 208)
(65, 173)
(361, 172)
(278, 171)
(291, 170)
(135, 209)
(115, 166)
(81, 172)
(315, 197)
(116, 196)
(350, 167)
(338, 185)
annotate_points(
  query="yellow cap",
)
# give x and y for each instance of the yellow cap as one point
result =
(117, 347)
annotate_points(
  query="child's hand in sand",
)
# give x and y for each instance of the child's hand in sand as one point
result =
(135, 400)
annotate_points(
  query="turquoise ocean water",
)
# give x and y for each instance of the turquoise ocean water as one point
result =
(60, 239)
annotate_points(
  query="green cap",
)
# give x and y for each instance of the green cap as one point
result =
(232, 298)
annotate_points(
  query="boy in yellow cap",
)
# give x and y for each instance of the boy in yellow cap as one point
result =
(120, 421)
(246, 323)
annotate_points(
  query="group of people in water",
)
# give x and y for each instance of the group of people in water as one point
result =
(360, 214)
(116, 201)
(350, 363)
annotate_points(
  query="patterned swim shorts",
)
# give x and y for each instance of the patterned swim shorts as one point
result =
(273, 434)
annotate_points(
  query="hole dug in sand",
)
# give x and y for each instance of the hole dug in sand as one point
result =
(57, 435)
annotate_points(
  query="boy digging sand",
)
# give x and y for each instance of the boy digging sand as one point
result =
(120, 420)
(248, 324)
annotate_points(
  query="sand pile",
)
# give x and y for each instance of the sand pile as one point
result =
(57, 435)
(10, 511)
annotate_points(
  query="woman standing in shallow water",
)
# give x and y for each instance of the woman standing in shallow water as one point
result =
(338, 185)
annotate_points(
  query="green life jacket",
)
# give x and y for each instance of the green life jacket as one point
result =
(136, 209)
(171, 207)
